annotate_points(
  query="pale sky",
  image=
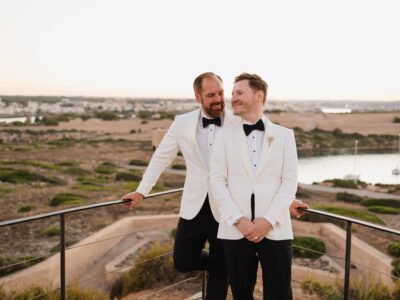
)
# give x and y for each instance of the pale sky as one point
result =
(304, 49)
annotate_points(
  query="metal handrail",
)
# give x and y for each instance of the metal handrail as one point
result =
(61, 213)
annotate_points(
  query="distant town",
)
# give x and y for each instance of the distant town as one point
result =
(40, 105)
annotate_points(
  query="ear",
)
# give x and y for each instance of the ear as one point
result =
(198, 98)
(260, 96)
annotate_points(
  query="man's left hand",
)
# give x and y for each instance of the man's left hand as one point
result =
(293, 208)
(261, 228)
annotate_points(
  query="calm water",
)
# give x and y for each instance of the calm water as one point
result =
(372, 168)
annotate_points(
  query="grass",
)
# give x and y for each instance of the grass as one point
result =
(131, 186)
(94, 188)
(4, 190)
(309, 243)
(103, 169)
(353, 213)
(68, 163)
(343, 183)
(124, 176)
(138, 162)
(381, 202)
(93, 180)
(74, 292)
(34, 163)
(151, 268)
(51, 232)
(26, 208)
(9, 264)
(346, 197)
(384, 210)
(66, 199)
(76, 171)
(25, 176)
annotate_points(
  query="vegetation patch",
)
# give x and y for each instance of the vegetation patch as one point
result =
(138, 162)
(346, 197)
(107, 116)
(131, 186)
(384, 210)
(26, 208)
(302, 193)
(51, 232)
(94, 188)
(152, 267)
(350, 184)
(4, 190)
(68, 163)
(10, 264)
(381, 202)
(25, 176)
(394, 249)
(106, 168)
(66, 199)
(125, 176)
(310, 243)
(76, 171)
(353, 213)
(179, 167)
(34, 163)
(396, 267)
(73, 292)
(93, 180)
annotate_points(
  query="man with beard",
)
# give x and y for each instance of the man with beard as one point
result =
(193, 133)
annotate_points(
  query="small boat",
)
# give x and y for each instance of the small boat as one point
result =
(353, 176)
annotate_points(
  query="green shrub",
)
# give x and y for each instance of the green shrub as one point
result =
(138, 162)
(174, 184)
(76, 171)
(34, 163)
(179, 167)
(353, 213)
(157, 188)
(51, 232)
(131, 186)
(394, 249)
(10, 264)
(68, 163)
(66, 199)
(127, 176)
(106, 168)
(343, 183)
(26, 208)
(106, 116)
(396, 267)
(25, 176)
(323, 290)
(396, 120)
(348, 197)
(144, 122)
(93, 180)
(57, 247)
(381, 202)
(384, 210)
(173, 232)
(309, 243)
(151, 267)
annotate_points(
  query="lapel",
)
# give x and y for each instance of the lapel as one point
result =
(266, 147)
(229, 118)
(241, 145)
(191, 134)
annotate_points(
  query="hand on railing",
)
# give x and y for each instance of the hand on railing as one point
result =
(134, 197)
(294, 208)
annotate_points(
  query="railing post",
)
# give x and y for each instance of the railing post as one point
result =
(347, 265)
(203, 285)
(62, 256)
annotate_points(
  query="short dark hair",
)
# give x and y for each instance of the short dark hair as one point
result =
(199, 80)
(256, 83)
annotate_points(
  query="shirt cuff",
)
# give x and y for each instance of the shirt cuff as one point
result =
(272, 221)
(230, 221)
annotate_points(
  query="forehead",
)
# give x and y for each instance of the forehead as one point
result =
(241, 85)
(210, 84)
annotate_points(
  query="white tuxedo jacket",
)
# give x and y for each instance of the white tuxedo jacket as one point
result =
(182, 135)
(274, 183)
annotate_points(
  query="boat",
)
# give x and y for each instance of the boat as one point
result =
(396, 171)
(353, 176)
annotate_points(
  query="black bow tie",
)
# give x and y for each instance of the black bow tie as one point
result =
(249, 128)
(215, 121)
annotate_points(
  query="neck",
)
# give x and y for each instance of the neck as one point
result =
(252, 117)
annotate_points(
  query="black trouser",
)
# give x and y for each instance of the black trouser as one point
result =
(242, 257)
(191, 236)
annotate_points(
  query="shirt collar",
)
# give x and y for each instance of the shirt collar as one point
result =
(203, 115)
(263, 118)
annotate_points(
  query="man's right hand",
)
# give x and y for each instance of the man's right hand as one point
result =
(135, 198)
(245, 226)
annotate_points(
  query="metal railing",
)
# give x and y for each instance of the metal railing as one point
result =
(62, 213)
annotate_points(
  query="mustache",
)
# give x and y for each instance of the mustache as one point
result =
(217, 104)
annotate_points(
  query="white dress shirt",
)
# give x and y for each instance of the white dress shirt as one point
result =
(205, 137)
(254, 144)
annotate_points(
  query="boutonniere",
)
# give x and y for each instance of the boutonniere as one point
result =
(270, 140)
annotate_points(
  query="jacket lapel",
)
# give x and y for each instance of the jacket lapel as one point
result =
(241, 146)
(191, 133)
(266, 147)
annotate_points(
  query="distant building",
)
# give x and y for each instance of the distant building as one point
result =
(338, 110)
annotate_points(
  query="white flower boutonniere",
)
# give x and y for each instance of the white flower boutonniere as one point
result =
(270, 140)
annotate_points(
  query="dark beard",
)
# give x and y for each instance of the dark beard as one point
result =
(214, 113)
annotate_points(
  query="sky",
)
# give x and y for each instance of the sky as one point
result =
(308, 49)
